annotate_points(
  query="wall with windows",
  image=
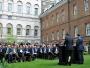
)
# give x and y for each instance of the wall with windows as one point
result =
(72, 17)
(21, 6)
(19, 18)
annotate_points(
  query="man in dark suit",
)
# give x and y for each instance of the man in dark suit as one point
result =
(4, 49)
(20, 52)
(35, 51)
(9, 52)
(44, 52)
(69, 49)
(50, 53)
(14, 53)
(80, 49)
(40, 52)
(55, 50)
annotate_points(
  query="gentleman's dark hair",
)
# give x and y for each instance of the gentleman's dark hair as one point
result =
(78, 34)
(67, 34)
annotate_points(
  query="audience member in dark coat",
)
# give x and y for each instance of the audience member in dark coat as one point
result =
(69, 49)
(80, 49)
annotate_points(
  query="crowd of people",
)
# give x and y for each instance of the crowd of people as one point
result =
(68, 52)
(19, 53)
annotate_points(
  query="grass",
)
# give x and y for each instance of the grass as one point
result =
(48, 64)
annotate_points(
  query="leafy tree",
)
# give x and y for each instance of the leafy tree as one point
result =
(10, 39)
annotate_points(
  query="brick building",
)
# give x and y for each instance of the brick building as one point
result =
(71, 16)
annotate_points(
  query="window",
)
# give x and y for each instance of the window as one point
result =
(0, 6)
(28, 30)
(10, 17)
(88, 30)
(76, 31)
(9, 29)
(74, 10)
(19, 9)
(36, 30)
(52, 36)
(63, 15)
(47, 37)
(57, 35)
(36, 11)
(86, 5)
(57, 18)
(9, 7)
(19, 29)
(28, 9)
(63, 34)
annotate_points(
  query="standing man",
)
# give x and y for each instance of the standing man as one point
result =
(69, 49)
(80, 49)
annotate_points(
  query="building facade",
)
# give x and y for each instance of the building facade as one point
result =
(72, 16)
(19, 20)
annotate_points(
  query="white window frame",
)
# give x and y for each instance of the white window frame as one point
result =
(10, 6)
(63, 34)
(75, 9)
(19, 9)
(87, 29)
(86, 5)
(76, 31)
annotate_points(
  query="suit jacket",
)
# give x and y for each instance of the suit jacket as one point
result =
(19, 50)
(68, 42)
(4, 50)
(9, 51)
(79, 44)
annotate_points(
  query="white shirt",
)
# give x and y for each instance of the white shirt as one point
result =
(21, 50)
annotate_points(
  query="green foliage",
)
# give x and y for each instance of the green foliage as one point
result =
(3, 64)
(10, 39)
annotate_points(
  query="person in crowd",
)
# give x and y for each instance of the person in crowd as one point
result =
(69, 48)
(9, 52)
(14, 53)
(20, 52)
(55, 50)
(80, 49)
(62, 53)
(49, 51)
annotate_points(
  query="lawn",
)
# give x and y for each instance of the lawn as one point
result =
(48, 64)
